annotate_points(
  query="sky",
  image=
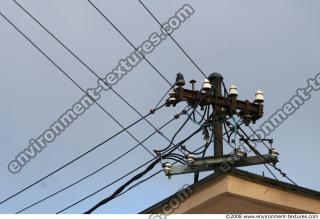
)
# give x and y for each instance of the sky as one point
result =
(267, 44)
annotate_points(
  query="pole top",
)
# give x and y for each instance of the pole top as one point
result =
(215, 76)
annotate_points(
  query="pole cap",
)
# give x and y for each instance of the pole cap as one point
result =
(215, 76)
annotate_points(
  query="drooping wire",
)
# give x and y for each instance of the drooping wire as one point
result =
(175, 135)
(133, 46)
(185, 53)
(110, 184)
(61, 70)
(139, 183)
(259, 155)
(164, 96)
(283, 174)
(254, 132)
(273, 165)
(103, 167)
(235, 126)
(92, 71)
(151, 176)
(193, 117)
(138, 176)
(253, 149)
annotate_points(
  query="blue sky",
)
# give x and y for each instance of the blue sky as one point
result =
(269, 45)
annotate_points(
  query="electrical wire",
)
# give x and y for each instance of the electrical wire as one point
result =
(163, 97)
(74, 82)
(92, 71)
(175, 135)
(186, 54)
(141, 174)
(117, 29)
(180, 47)
(151, 176)
(254, 132)
(131, 44)
(273, 165)
(139, 183)
(283, 174)
(259, 155)
(101, 168)
(110, 184)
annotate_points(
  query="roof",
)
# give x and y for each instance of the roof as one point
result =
(244, 175)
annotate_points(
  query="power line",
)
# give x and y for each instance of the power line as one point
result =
(115, 194)
(103, 167)
(139, 183)
(254, 132)
(149, 168)
(131, 44)
(110, 184)
(259, 155)
(273, 165)
(180, 47)
(144, 57)
(162, 98)
(89, 68)
(72, 161)
(132, 179)
(62, 71)
(153, 175)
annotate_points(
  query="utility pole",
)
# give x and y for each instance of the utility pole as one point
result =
(216, 81)
(224, 107)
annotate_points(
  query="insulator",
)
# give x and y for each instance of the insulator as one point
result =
(274, 153)
(172, 98)
(167, 169)
(239, 153)
(180, 80)
(206, 85)
(190, 160)
(259, 97)
(233, 91)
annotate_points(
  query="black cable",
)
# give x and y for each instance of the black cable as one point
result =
(69, 163)
(175, 135)
(74, 82)
(138, 183)
(131, 44)
(254, 132)
(118, 191)
(153, 175)
(259, 155)
(163, 97)
(91, 70)
(178, 160)
(283, 174)
(110, 184)
(152, 15)
(273, 165)
(144, 57)
(109, 199)
(101, 168)
(186, 54)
